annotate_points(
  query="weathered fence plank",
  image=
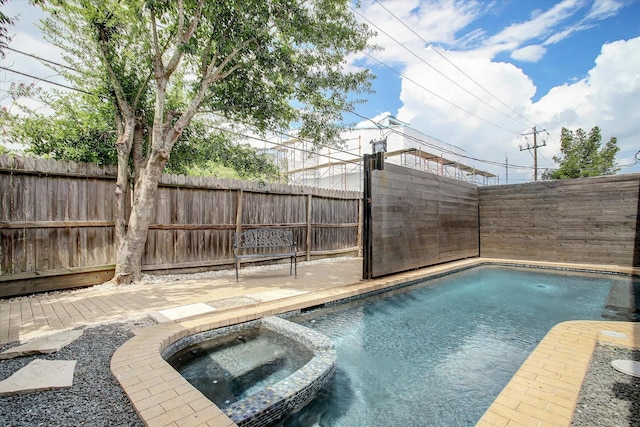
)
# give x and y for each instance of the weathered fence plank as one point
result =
(591, 220)
(420, 219)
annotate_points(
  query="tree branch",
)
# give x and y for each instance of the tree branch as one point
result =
(184, 38)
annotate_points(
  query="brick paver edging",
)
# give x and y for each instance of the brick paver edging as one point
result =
(545, 389)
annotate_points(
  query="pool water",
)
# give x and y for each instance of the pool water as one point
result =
(439, 353)
(232, 367)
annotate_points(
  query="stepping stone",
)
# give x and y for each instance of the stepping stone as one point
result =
(613, 334)
(39, 375)
(49, 344)
(629, 367)
(232, 302)
(181, 312)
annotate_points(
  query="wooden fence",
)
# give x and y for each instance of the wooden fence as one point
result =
(419, 219)
(592, 220)
(57, 221)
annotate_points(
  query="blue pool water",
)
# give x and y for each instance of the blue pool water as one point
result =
(438, 353)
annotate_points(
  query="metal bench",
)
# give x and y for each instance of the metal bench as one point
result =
(265, 243)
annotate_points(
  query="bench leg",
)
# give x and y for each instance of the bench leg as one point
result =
(237, 262)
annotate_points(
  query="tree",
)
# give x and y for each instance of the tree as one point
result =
(5, 22)
(204, 150)
(267, 63)
(583, 155)
(80, 127)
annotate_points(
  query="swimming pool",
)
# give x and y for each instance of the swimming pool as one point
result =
(438, 353)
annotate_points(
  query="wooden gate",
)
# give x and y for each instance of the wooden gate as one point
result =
(414, 219)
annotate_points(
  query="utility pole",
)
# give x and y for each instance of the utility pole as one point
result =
(506, 159)
(535, 149)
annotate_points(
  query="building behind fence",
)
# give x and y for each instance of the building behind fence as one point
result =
(57, 222)
(343, 168)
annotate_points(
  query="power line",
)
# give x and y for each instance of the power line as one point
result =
(456, 67)
(40, 59)
(443, 75)
(535, 150)
(288, 146)
(440, 97)
(441, 149)
(45, 80)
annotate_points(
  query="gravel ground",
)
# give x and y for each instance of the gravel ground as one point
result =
(95, 399)
(608, 397)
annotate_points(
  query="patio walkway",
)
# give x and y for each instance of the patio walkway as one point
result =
(32, 316)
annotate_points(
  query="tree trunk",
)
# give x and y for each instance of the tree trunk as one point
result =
(129, 260)
(123, 148)
(137, 149)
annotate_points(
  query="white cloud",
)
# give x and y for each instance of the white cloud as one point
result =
(602, 9)
(372, 120)
(27, 40)
(607, 97)
(541, 25)
(431, 21)
(561, 35)
(531, 53)
(465, 121)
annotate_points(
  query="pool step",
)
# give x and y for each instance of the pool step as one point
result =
(623, 303)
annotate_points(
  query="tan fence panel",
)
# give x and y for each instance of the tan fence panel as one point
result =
(51, 216)
(590, 221)
(519, 220)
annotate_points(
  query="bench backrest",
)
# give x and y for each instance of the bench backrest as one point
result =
(263, 238)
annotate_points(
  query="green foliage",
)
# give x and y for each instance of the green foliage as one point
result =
(268, 63)
(5, 22)
(583, 155)
(83, 130)
(279, 62)
(201, 152)
(275, 63)
(79, 130)
(264, 63)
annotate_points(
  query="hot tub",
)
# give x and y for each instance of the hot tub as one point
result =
(257, 372)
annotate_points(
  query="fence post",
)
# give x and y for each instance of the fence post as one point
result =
(366, 220)
(309, 196)
(239, 211)
(359, 237)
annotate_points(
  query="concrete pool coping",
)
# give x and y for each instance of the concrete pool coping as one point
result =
(543, 392)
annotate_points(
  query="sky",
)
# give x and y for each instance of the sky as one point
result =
(482, 74)
(479, 75)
